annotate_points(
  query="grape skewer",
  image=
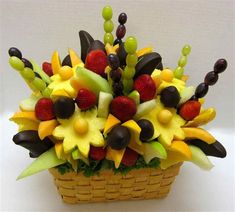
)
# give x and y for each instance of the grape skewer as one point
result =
(210, 78)
(107, 14)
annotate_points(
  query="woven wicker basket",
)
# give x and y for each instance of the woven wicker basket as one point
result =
(146, 183)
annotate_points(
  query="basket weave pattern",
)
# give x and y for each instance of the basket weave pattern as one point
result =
(146, 183)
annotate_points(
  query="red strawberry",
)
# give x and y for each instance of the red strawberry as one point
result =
(85, 99)
(189, 110)
(46, 67)
(129, 158)
(146, 87)
(123, 108)
(96, 61)
(44, 109)
(97, 153)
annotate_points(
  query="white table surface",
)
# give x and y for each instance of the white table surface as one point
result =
(39, 27)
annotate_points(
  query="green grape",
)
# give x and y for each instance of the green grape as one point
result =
(16, 63)
(182, 61)
(108, 38)
(107, 13)
(130, 45)
(128, 85)
(178, 73)
(186, 50)
(131, 60)
(108, 26)
(128, 72)
(47, 92)
(39, 84)
(28, 73)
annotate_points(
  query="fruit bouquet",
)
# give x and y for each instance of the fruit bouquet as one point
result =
(113, 123)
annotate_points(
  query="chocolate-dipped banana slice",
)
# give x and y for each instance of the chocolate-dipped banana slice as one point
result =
(30, 140)
(67, 61)
(96, 44)
(216, 149)
(85, 42)
(147, 63)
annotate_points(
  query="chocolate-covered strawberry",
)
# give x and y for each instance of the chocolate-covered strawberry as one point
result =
(30, 140)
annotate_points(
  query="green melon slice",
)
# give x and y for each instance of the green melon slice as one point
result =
(199, 158)
(45, 161)
(145, 108)
(152, 150)
(91, 81)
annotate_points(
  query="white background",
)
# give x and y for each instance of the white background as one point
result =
(40, 27)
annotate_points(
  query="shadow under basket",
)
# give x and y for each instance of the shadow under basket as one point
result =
(145, 183)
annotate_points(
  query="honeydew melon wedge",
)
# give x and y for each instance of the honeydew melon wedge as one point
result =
(145, 108)
(199, 158)
(103, 104)
(45, 161)
(186, 94)
(29, 103)
(135, 96)
(87, 79)
(152, 150)
(76, 154)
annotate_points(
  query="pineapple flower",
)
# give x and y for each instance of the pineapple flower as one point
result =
(156, 75)
(60, 84)
(167, 124)
(78, 132)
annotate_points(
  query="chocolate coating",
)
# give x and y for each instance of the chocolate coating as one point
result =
(96, 44)
(85, 42)
(216, 149)
(147, 63)
(119, 137)
(67, 61)
(30, 140)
